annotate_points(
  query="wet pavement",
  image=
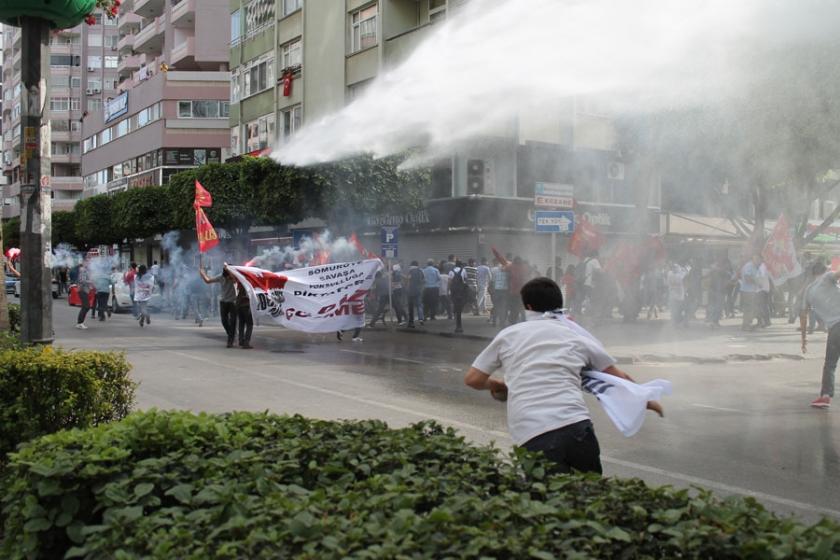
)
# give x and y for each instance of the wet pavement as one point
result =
(737, 427)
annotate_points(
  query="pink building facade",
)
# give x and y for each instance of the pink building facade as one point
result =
(172, 110)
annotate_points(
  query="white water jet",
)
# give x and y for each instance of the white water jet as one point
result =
(494, 60)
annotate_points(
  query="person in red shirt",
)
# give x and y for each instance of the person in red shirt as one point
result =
(129, 277)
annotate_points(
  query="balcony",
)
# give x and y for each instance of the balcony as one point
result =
(63, 205)
(128, 21)
(183, 14)
(130, 64)
(125, 45)
(74, 184)
(149, 8)
(11, 210)
(184, 54)
(150, 38)
(65, 158)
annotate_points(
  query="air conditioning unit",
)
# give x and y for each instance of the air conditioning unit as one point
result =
(89, 91)
(615, 171)
(97, 90)
(91, 69)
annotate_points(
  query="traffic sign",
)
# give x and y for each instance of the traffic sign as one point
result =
(389, 252)
(554, 195)
(390, 242)
(390, 235)
(554, 221)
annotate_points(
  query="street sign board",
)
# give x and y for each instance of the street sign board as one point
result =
(389, 236)
(389, 252)
(554, 221)
(554, 195)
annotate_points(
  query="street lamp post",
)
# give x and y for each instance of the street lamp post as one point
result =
(35, 190)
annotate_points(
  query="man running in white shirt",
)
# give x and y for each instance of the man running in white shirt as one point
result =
(542, 360)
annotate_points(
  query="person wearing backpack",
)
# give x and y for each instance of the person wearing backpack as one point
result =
(459, 292)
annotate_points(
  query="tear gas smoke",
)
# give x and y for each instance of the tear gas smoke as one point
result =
(311, 249)
(497, 64)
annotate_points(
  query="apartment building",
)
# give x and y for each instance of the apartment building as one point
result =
(295, 61)
(83, 77)
(171, 111)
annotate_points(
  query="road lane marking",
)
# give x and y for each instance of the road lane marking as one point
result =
(381, 357)
(724, 409)
(720, 486)
(686, 478)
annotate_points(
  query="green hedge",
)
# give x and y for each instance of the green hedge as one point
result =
(43, 390)
(245, 485)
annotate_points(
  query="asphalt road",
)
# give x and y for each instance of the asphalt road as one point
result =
(736, 428)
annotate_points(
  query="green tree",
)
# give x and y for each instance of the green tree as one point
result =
(95, 221)
(363, 186)
(11, 233)
(772, 144)
(64, 228)
(137, 213)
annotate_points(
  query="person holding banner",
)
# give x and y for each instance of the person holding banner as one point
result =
(544, 359)
(243, 317)
(227, 300)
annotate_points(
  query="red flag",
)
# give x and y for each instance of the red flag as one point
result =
(779, 253)
(207, 238)
(202, 196)
(361, 248)
(585, 239)
(502, 261)
(288, 78)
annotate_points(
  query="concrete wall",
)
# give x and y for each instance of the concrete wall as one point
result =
(212, 31)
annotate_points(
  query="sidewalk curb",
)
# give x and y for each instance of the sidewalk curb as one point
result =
(622, 359)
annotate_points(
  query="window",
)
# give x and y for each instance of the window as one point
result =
(363, 31)
(235, 87)
(94, 40)
(59, 103)
(94, 85)
(185, 109)
(290, 6)
(437, 10)
(75, 82)
(94, 104)
(259, 134)
(64, 60)
(291, 121)
(258, 15)
(203, 109)
(75, 103)
(235, 27)
(259, 77)
(235, 147)
(111, 61)
(291, 54)
(94, 62)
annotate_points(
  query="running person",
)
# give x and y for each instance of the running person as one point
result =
(144, 283)
(542, 359)
(823, 297)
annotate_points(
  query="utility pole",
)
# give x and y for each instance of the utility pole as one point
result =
(35, 190)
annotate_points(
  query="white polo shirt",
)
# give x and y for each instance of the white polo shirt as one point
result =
(542, 359)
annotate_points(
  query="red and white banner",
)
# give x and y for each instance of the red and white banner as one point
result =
(316, 299)
(779, 253)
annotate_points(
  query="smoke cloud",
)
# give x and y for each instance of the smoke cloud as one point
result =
(495, 61)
